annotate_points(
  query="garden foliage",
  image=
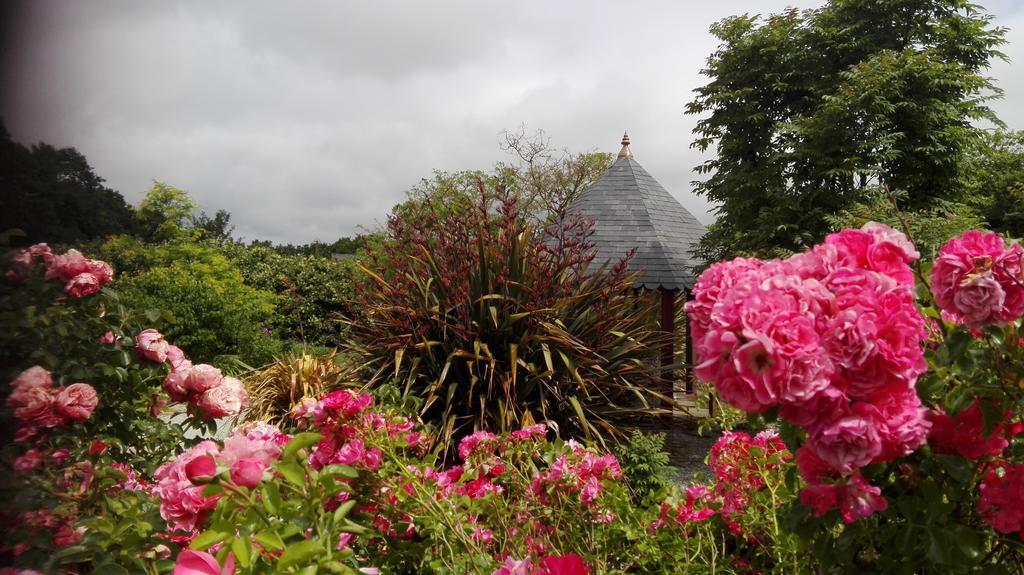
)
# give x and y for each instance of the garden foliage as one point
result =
(495, 325)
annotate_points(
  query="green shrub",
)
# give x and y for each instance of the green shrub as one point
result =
(495, 325)
(645, 465)
(310, 289)
(215, 313)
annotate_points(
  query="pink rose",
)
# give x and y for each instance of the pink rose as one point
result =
(820, 498)
(107, 338)
(192, 562)
(77, 401)
(203, 377)
(34, 405)
(28, 461)
(228, 398)
(182, 504)
(150, 344)
(201, 469)
(67, 265)
(974, 263)
(514, 567)
(100, 270)
(34, 253)
(84, 284)
(175, 385)
(979, 300)
(259, 442)
(34, 376)
(59, 455)
(851, 441)
(248, 472)
(177, 359)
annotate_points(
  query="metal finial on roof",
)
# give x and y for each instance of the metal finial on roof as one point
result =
(625, 152)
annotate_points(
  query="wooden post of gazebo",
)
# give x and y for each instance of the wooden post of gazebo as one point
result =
(668, 348)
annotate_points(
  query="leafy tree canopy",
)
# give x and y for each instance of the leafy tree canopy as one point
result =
(807, 111)
(53, 195)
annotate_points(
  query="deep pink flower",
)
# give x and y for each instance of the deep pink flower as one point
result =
(538, 431)
(481, 442)
(192, 562)
(1001, 504)
(107, 338)
(570, 564)
(151, 345)
(77, 401)
(201, 469)
(964, 435)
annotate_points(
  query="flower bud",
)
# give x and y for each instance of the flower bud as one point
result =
(201, 469)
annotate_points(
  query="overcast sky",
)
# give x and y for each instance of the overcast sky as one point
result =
(308, 120)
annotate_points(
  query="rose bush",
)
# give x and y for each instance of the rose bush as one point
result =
(904, 470)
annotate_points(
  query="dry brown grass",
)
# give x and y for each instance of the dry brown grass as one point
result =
(274, 390)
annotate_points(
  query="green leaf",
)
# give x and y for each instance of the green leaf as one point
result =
(299, 554)
(242, 548)
(343, 511)
(207, 538)
(342, 470)
(271, 495)
(270, 540)
(293, 472)
(300, 441)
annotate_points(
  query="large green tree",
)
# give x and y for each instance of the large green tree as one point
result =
(806, 111)
(53, 195)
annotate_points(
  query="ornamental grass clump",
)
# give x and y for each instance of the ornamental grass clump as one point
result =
(276, 389)
(496, 325)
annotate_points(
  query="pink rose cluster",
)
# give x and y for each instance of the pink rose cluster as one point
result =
(352, 434)
(831, 337)
(580, 473)
(246, 456)
(1001, 503)
(38, 405)
(81, 276)
(964, 434)
(978, 280)
(207, 391)
(570, 564)
(740, 464)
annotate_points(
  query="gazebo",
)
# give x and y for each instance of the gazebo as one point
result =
(632, 211)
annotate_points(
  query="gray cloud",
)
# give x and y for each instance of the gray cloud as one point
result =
(306, 123)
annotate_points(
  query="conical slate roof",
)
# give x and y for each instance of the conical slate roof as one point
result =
(631, 210)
